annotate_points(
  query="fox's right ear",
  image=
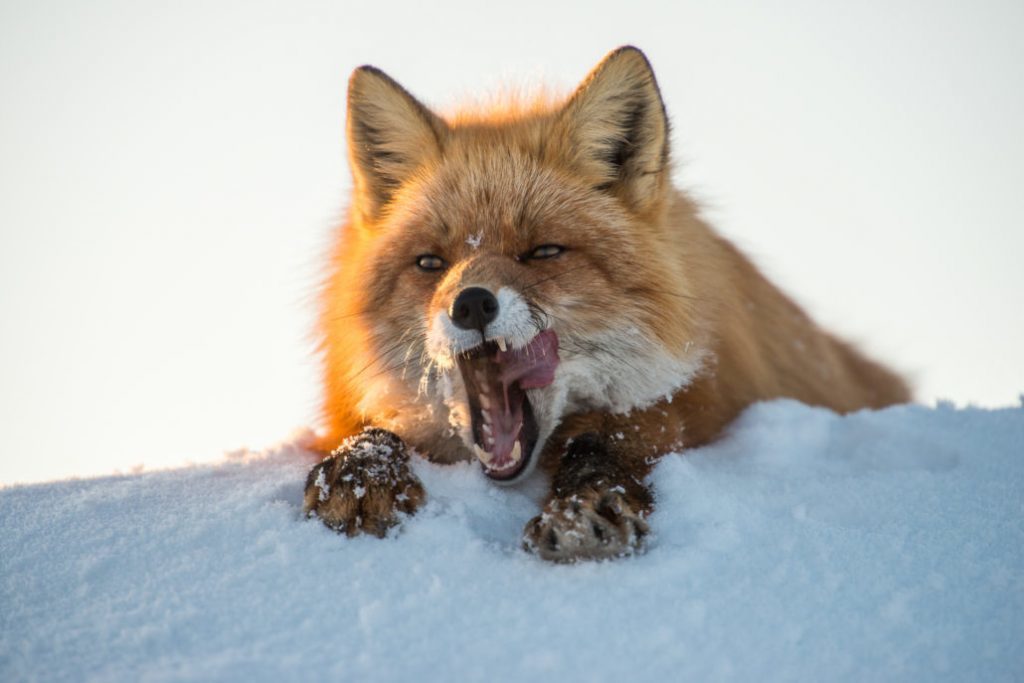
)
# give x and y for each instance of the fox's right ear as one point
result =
(390, 135)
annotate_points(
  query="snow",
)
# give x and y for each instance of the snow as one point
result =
(804, 546)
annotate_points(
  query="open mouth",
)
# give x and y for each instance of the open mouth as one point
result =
(504, 428)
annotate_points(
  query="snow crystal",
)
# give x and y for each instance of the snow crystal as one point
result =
(474, 241)
(802, 546)
(322, 485)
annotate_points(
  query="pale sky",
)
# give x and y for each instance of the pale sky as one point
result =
(171, 172)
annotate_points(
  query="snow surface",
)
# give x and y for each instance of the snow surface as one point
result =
(877, 546)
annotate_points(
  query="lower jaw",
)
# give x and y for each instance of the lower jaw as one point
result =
(513, 470)
(512, 474)
(514, 479)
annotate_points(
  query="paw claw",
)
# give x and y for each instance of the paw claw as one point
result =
(589, 526)
(363, 486)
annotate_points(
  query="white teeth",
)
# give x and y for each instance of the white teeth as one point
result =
(501, 343)
(484, 456)
(517, 452)
(485, 401)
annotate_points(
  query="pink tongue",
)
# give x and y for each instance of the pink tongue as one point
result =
(533, 366)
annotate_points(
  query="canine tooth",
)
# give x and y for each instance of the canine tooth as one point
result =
(484, 456)
(501, 343)
(487, 428)
(517, 452)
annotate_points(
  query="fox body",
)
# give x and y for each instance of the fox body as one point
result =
(524, 286)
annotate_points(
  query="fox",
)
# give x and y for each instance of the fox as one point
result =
(522, 285)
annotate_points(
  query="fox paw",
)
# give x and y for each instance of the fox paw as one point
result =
(593, 525)
(364, 485)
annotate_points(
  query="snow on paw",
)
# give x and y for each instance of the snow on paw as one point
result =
(364, 485)
(592, 525)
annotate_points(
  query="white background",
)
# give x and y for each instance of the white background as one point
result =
(171, 172)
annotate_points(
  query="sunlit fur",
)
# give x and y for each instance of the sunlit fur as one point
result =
(667, 332)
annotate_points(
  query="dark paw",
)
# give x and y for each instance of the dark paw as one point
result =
(364, 485)
(593, 525)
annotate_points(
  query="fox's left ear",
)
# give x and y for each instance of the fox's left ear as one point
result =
(618, 130)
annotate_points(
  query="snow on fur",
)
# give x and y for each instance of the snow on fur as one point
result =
(877, 546)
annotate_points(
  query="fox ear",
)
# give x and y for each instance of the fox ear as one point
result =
(618, 129)
(390, 135)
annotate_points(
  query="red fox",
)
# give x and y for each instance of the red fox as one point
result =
(524, 286)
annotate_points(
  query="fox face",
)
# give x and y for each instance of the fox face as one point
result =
(511, 270)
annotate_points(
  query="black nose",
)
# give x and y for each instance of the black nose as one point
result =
(473, 308)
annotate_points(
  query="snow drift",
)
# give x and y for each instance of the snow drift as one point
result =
(876, 546)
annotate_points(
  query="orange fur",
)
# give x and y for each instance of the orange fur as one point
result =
(592, 174)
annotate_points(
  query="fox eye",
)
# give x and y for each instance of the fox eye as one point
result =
(545, 251)
(430, 262)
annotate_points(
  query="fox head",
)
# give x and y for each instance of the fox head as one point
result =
(502, 270)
